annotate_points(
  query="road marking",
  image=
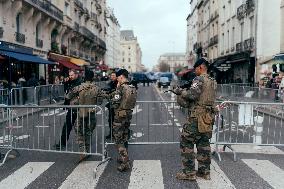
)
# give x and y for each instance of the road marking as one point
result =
(25, 175)
(42, 126)
(50, 112)
(218, 179)
(251, 149)
(178, 124)
(272, 174)
(83, 176)
(136, 109)
(146, 174)
(6, 138)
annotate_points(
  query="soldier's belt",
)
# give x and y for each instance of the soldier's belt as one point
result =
(122, 113)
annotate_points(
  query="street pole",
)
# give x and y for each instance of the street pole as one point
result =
(255, 42)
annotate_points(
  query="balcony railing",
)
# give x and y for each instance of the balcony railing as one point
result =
(102, 43)
(1, 32)
(39, 43)
(94, 17)
(239, 47)
(21, 38)
(250, 4)
(213, 40)
(86, 32)
(79, 4)
(99, 8)
(76, 27)
(81, 55)
(73, 52)
(241, 11)
(249, 44)
(47, 6)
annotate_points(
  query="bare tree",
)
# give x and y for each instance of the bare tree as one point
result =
(164, 67)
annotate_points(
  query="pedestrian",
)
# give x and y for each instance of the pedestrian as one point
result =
(72, 81)
(42, 81)
(123, 100)
(198, 130)
(88, 94)
(112, 86)
(56, 80)
(33, 81)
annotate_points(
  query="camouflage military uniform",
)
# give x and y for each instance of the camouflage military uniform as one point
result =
(198, 130)
(123, 104)
(88, 94)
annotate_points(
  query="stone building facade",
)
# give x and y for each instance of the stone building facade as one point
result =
(68, 28)
(175, 61)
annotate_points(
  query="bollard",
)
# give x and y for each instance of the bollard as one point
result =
(258, 123)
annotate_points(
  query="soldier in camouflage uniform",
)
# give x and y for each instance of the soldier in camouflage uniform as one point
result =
(88, 94)
(123, 100)
(198, 130)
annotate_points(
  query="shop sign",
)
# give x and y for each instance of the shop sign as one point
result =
(224, 67)
(15, 48)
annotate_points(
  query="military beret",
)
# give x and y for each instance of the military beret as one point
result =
(201, 61)
(122, 72)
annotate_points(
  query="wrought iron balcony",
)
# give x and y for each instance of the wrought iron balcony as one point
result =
(249, 44)
(102, 43)
(21, 38)
(73, 52)
(39, 43)
(250, 5)
(86, 32)
(79, 4)
(99, 8)
(48, 7)
(76, 27)
(239, 47)
(1, 32)
(81, 55)
(241, 11)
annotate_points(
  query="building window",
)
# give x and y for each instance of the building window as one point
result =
(67, 9)
(129, 47)
(122, 59)
(242, 32)
(251, 27)
(129, 60)
(233, 35)
(19, 19)
(129, 67)
(228, 32)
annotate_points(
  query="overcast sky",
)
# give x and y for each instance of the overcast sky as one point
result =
(160, 25)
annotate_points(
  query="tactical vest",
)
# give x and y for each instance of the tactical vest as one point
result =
(208, 95)
(129, 96)
(88, 95)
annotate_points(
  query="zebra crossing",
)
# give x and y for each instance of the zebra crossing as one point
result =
(156, 174)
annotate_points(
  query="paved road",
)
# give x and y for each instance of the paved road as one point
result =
(154, 166)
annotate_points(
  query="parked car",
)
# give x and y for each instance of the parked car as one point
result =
(167, 74)
(164, 82)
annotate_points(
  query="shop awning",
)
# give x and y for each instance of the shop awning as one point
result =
(69, 65)
(79, 62)
(26, 57)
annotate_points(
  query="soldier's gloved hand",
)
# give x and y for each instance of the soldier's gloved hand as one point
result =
(177, 91)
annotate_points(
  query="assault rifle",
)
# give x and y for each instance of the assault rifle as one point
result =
(185, 85)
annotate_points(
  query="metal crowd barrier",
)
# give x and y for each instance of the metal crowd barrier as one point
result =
(154, 122)
(4, 96)
(248, 93)
(249, 123)
(39, 128)
(22, 96)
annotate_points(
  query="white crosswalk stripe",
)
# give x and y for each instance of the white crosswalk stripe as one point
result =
(25, 175)
(83, 176)
(272, 174)
(218, 179)
(146, 174)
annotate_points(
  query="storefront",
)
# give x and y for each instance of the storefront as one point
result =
(65, 63)
(236, 68)
(18, 61)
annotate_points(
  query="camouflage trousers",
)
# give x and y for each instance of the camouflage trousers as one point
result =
(84, 128)
(190, 136)
(121, 133)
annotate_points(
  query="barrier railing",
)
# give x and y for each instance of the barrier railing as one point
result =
(39, 128)
(4, 96)
(22, 96)
(250, 123)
